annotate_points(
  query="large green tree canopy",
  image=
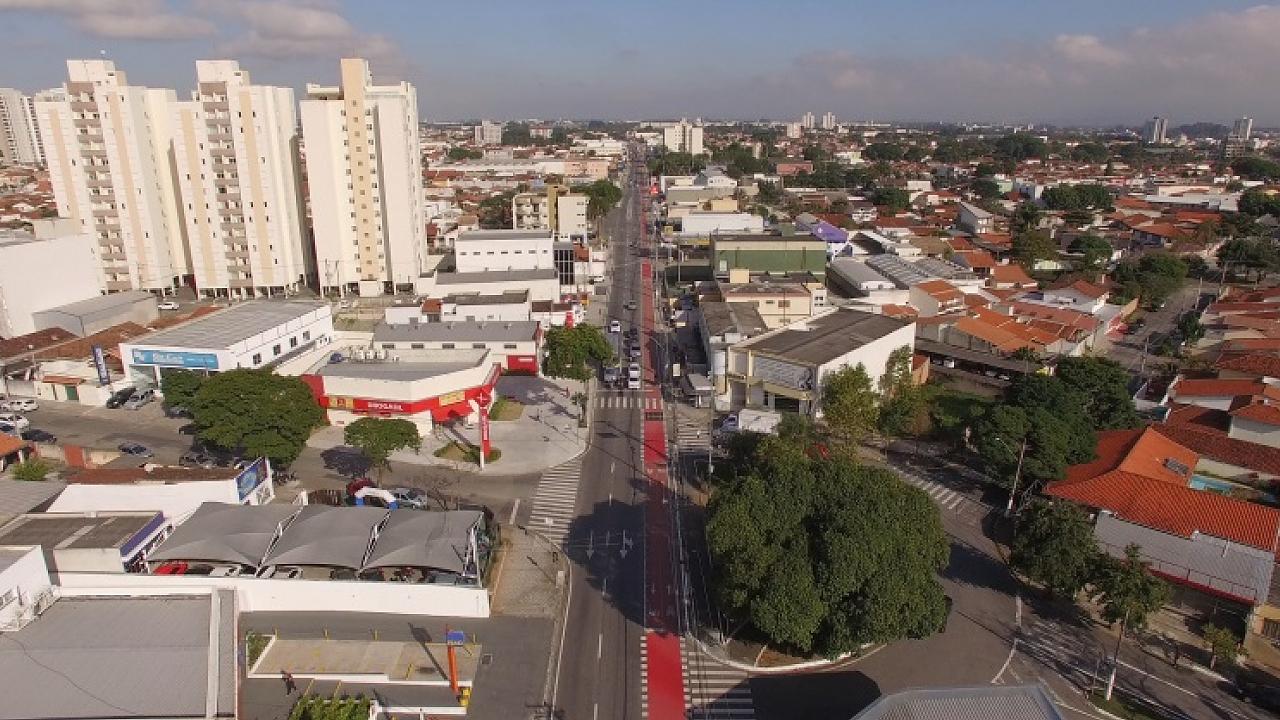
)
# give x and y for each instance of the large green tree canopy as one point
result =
(826, 554)
(256, 412)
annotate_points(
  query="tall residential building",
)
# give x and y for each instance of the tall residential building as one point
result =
(488, 133)
(364, 178)
(806, 121)
(235, 146)
(828, 121)
(1156, 130)
(107, 146)
(683, 136)
(1237, 142)
(1242, 129)
(17, 141)
(33, 128)
(794, 130)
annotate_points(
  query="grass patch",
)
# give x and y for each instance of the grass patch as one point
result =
(313, 707)
(951, 411)
(459, 452)
(254, 645)
(1120, 707)
(506, 409)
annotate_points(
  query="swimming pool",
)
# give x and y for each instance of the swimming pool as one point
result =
(1222, 487)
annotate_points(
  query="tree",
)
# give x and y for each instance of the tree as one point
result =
(179, 386)
(1096, 251)
(1255, 254)
(602, 196)
(825, 555)
(1055, 547)
(901, 402)
(1128, 594)
(494, 212)
(882, 152)
(32, 470)
(516, 134)
(570, 350)
(915, 153)
(1222, 644)
(1017, 147)
(1103, 386)
(1256, 203)
(1026, 217)
(257, 413)
(1189, 328)
(377, 438)
(457, 153)
(1029, 248)
(985, 188)
(1090, 152)
(849, 404)
(1253, 167)
(893, 197)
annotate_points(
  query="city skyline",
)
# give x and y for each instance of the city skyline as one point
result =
(1091, 64)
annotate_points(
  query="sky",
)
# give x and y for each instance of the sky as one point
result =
(1074, 62)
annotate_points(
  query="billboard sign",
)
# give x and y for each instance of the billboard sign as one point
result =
(192, 360)
(250, 478)
(100, 362)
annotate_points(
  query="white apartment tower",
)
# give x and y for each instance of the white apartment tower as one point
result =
(683, 136)
(107, 147)
(34, 129)
(488, 133)
(1156, 131)
(807, 121)
(828, 121)
(1242, 129)
(235, 147)
(364, 178)
(18, 142)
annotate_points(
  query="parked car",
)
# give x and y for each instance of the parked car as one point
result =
(177, 411)
(19, 405)
(168, 305)
(8, 429)
(136, 449)
(359, 484)
(137, 400)
(39, 436)
(283, 572)
(17, 421)
(1260, 694)
(610, 375)
(615, 326)
(408, 497)
(195, 458)
(634, 352)
(630, 304)
(119, 397)
(176, 567)
(633, 383)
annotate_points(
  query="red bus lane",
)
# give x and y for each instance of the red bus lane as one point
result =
(664, 678)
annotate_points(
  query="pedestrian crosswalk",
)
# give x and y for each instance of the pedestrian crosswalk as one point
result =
(714, 691)
(945, 497)
(555, 501)
(629, 402)
(693, 433)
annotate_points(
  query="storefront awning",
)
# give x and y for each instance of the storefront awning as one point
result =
(63, 380)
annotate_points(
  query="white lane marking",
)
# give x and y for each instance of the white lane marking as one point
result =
(514, 508)
(600, 646)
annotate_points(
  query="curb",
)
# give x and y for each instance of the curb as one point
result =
(806, 665)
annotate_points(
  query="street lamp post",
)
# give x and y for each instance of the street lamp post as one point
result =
(1017, 473)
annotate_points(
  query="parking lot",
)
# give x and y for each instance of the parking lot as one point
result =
(102, 428)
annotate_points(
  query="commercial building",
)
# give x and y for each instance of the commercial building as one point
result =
(976, 220)
(174, 491)
(236, 149)
(557, 209)
(18, 143)
(364, 178)
(58, 249)
(772, 253)
(107, 145)
(257, 334)
(99, 313)
(89, 542)
(784, 369)
(479, 251)
(489, 133)
(705, 224)
(516, 346)
(684, 137)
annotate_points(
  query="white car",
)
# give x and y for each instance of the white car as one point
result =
(168, 305)
(15, 420)
(19, 405)
(615, 326)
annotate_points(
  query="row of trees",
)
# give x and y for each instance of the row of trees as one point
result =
(1088, 196)
(852, 408)
(574, 352)
(1153, 277)
(602, 196)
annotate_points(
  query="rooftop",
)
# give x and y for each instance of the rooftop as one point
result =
(238, 323)
(507, 297)
(103, 303)
(60, 531)
(406, 365)
(495, 276)
(136, 657)
(823, 338)
(18, 497)
(220, 532)
(16, 347)
(490, 235)
(159, 474)
(458, 331)
(725, 317)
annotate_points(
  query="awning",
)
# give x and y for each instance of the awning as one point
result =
(436, 540)
(63, 380)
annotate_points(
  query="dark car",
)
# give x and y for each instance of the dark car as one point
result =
(119, 397)
(177, 411)
(39, 436)
(133, 448)
(195, 458)
(1258, 693)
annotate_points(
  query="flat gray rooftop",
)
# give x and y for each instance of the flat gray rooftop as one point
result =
(222, 330)
(826, 337)
(504, 298)
(726, 317)
(495, 276)
(458, 331)
(486, 235)
(139, 657)
(18, 497)
(57, 531)
(102, 303)
(11, 555)
(412, 365)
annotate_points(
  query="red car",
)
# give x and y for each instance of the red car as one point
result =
(171, 568)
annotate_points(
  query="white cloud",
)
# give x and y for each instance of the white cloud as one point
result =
(1213, 67)
(123, 19)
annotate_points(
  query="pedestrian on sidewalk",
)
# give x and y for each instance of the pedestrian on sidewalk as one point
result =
(289, 685)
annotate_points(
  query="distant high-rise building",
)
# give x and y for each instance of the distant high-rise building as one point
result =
(683, 136)
(828, 121)
(1156, 130)
(364, 179)
(33, 128)
(107, 146)
(794, 130)
(235, 147)
(806, 120)
(17, 136)
(1242, 129)
(1237, 142)
(488, 133)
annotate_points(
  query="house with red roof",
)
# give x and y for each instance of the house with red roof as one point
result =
(1141, 487)
(1221, 394)
(1079, 295)
(934, 297)
(1010, 276)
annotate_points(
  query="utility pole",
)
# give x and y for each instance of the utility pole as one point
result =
(1115, 657)
(1013, 491)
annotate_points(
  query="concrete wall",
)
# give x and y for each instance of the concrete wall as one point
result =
(1254, 432)
(267, 595)
(26, 578)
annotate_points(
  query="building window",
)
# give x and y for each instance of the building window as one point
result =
(306, 334)
(477, 346)
(1271, 629)
(293, 342)
(509, 346)
(257, 358)
(388, 346)
(446, 346)
(275, 350)
(417, 346)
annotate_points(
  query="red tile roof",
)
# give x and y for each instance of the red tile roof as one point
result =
(1085, 288)
(38, 340)
(1011, 274)
(1129, 478)
(1259, 364)
(941, 290)
(1198, 416)
(1259, 412)
(10, 445)
(1217, 387)
(1215, 445)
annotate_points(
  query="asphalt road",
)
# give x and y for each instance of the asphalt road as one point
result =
(599, 674)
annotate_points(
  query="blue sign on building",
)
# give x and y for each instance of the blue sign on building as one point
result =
(197, 361)
(100, 362)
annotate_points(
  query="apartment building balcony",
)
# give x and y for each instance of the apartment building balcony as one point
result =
(237, 283)
(113, 257)
(83, 104)
(232, 224)
(101, 211)
(220, 136)
(119, 285)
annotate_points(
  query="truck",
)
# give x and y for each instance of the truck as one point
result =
(760, 421)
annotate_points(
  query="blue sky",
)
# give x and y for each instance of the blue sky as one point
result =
(1084, 61)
